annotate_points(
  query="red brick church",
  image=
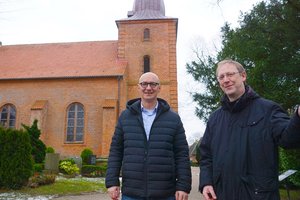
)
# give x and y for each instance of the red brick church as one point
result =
(77, 90)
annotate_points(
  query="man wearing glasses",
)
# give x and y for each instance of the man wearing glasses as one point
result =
(149, 147)
(239, 149)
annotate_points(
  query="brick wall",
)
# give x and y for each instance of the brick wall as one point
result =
(91, 93)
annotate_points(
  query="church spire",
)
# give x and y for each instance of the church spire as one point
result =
(147, 9)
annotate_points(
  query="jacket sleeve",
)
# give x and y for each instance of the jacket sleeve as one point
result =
(286, 131)
(115, 157)
(206, 177)
(183, 167)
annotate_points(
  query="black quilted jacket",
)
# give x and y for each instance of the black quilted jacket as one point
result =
(151, 169)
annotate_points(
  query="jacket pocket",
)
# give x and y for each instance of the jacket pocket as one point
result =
(260, 188)
(252, 121)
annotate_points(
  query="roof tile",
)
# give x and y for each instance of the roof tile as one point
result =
(60, 60)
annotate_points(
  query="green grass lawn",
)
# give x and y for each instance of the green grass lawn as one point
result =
(64, 187)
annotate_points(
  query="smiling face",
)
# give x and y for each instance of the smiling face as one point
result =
(231, 80)
(149, 87)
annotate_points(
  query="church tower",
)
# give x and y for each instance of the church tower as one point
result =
(147, 41)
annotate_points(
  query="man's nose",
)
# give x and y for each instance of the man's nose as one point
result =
(225, 79)
(148, 86)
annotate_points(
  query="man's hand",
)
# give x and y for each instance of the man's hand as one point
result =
(180, 195)
(114, 192)
(209, 193)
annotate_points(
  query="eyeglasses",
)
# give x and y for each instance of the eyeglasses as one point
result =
(145, 84)
(228, 75)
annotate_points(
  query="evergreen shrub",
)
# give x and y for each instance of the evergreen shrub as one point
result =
(38, 147)
(50, 150)
(38, 167)
(16, 164)
(85, 154)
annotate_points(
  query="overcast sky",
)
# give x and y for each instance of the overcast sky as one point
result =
(51, 21)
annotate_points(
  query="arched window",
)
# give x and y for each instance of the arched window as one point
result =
(8, 116)
(146, 34)
(146, 64)
(75, 123)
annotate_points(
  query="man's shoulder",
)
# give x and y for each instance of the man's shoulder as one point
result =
(216, 112)
(263, 102)
(170, 115)
(126, 112)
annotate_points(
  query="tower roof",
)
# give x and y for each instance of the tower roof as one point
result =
(147, 9)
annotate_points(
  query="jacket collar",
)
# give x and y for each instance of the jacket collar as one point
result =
(134, 105)
(240, 103)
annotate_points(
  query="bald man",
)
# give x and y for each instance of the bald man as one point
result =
(149, 147)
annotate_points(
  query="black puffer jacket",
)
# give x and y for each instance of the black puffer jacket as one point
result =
(239, 149)
(151, 169)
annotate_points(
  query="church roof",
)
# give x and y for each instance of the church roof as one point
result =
(147, 9)
(60, 60)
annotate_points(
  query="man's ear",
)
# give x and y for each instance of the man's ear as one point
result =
(244, 75)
